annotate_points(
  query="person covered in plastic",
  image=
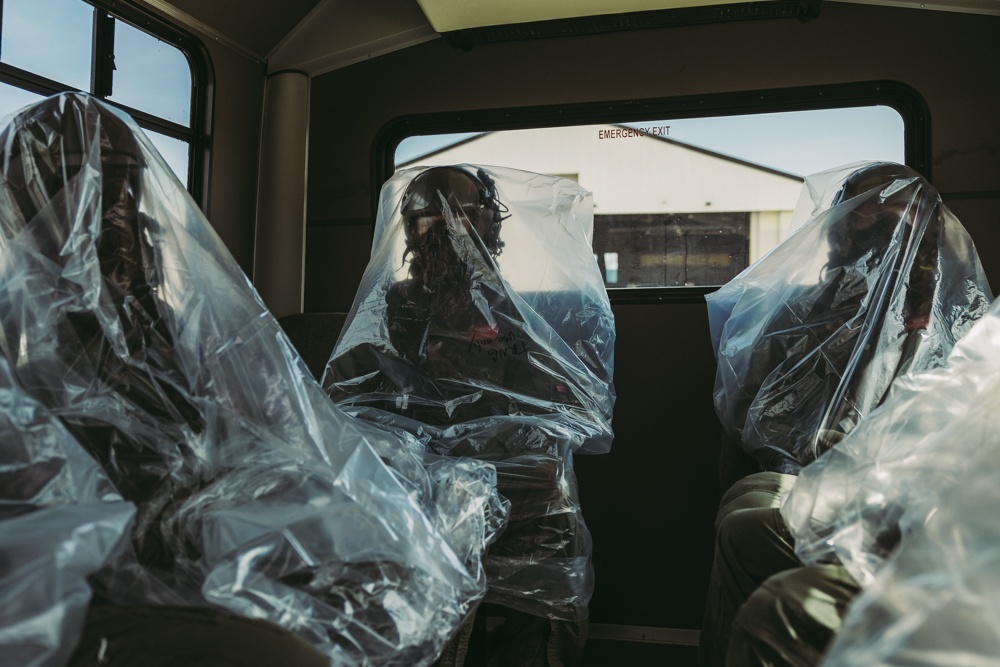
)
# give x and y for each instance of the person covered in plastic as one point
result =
(440, 344)
(802, 362)
(935, 603)
(933, 453)
(123, 314)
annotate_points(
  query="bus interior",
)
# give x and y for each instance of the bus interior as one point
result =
(695, 128)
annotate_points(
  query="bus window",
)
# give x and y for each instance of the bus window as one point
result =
(683, 202)
(138, 53)
(51, 38)
(13, 98)
(174, 151)
(155, 73)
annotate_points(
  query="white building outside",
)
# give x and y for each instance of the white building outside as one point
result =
(658, 203)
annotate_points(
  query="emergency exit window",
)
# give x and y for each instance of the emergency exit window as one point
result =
(683, 202)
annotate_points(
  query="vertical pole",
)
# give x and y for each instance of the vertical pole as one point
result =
(279, 244)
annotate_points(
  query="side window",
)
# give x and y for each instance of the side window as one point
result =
(682, 201)
(142, 65)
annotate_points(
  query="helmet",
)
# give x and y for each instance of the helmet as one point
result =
(440, 193)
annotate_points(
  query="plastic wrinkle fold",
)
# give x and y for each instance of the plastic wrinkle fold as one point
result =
(482, 328)
(60, 521)
(915, 494)
(880, 280)
(123, 314)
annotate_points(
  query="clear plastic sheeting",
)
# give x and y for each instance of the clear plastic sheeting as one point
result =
(123, 314)
(41, 465)
(60, 520)
(857, 502)
(808, 339)
(925, 473)
(45, 559)
(482, 327)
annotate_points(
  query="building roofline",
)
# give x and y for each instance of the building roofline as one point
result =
(666, 139)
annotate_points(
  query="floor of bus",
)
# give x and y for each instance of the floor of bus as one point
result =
(606, 653)
(599, 652)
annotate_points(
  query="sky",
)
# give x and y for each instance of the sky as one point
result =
(53, 38)
(799, 142)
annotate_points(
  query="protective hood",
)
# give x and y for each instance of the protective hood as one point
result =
(122, 313)
(809, 338)
(482, 327)
(465, 308)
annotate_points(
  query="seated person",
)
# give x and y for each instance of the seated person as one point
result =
(61, 520)
(122, 314)
(932, 452)
(904, 506)
(453, 354)
(802, 362)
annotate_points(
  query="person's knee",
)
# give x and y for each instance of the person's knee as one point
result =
(761, 610)
(752, 546)
(743, 534)
(753, 637)
(791, 617)
(763, 490)
(762, 633)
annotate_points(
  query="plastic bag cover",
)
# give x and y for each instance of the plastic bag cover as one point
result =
(122, 312)
(60, 520)
(482, 327)
(856, 502)
(809, 338)
(926, 471)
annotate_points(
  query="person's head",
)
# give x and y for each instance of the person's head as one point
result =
(443, 195)
(75, 159)
(867, 227)
(451, 221)
(870, 224)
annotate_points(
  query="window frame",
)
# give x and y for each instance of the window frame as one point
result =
(905, 100)
(198, 136)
